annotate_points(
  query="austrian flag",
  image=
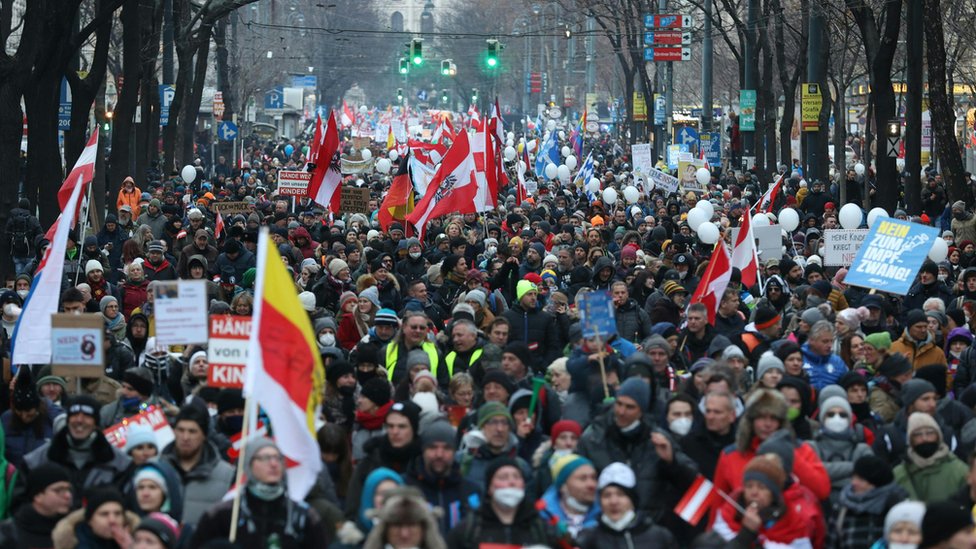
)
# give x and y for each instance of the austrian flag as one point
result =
(701, 495)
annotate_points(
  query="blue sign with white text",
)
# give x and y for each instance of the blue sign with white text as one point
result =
(711, 143)
(166, 95)
(596, 315)
(891, 255)
(64, 107)
(274, 99)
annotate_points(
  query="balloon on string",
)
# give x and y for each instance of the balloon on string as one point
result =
(289, 149)
(939, 251)
(383, 165)
(706, 207)
(859, 168)
(696, 218)
(510, 136)
(510, 143)
(363, 109)
(874, 214)
(562, 135)
(789, 219)
(708, 233)
(593, 185)
(393, 155)
(850, 216)
(760, 220)
(367, 155)
(551, 125)
(571, 162)
(566, 151)
(610, 195)
(188, 173)
(563, 172)
(703, 176)
(551, 171)
(510, 153)
(631, 194)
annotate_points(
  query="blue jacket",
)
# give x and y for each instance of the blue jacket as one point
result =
(553, 509)
(823, 370)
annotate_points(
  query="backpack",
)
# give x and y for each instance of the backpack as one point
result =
(17, 234)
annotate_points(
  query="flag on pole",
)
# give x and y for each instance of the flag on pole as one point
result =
(398, 202)
(326, 183)
(576, 136)
(391, 141)
(218, 225)
(453, 189)
(768, 199)
(31, 340)
(699, 497)
(744, 254)
(83, 171)
(348, 116)
(284, 372)
(586, 171)
(313, 150)
(548, 154)
(715, 281)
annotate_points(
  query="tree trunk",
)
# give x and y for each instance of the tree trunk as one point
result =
(120, 159)
(188, 119)
(769, 99)
(147, 130)
(943, 117)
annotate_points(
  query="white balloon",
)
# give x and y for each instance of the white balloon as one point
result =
(360, 182)
(531, 145)
(383, 165)
(874, 214)
(703, 176)
(631, 194)
(939, 251)
(562, 135)
(708, 233)
(551, 171)
(188, 173)
(367, 155)
(563, 172)
(566, 151)
(571, 162)
(789, 219)
(521, 140)
(610, 195)
(510, 143)
(760, 220)
(510, 153)
(706, 207)
(696, 218)
(551, 125)
(850, 216)
(593, 185)
(363, 109)
(510, 136)
(859, 168)
(393, 155)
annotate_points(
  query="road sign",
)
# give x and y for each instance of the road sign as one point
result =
(811, 102)
(667, 54)
(688, 136)
(894, 146)
(274, 99)
(304, 81)
(666, 38)
(218, 105)
(747, 110)
(670, 21)
(660, 105)
(227, 130)
(64, 108)
(166, 95)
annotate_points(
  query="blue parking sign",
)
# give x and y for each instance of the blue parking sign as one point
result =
(64, 106)
(596, 315)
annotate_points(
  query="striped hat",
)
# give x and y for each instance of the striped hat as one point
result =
(386, 317)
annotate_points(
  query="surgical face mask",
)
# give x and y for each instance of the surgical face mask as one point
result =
(682, 274)
(23, 293)
(680, 426)
(895, 545)
(576, 505)
(508, 497)
(327, 339)
(621, 523)
(631, 428)
(792, 414)
(415, 255)
(11, 309)
(836, 424)
(942, 277)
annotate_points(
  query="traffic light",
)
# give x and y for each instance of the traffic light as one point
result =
(893, 128)
(492, 59)
(474, 95)
(417, 51)
(404, 66)
(400, 95)
(107, 126)
(444, 97)
(446, 67)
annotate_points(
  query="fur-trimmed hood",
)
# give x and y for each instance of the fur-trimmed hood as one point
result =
(405, 505)
(761, 402)
(65, 536)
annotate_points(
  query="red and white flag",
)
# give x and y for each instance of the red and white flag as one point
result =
(81, 174)
(700, 496)
(348, 116)
(218, 225)
(485, 165)
(715, 281)
(453, 189)
(744, 255)
(767, 200)
(313, 149)
(326, 183)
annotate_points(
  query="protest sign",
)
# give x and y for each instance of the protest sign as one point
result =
(293, 183)
(153, 417)
(661, 180)
(841, 246)
(181, 312)
(891, 255)
(769, 241)
(354, 200)
(596, 315)
(641, 157)
(687, 168)
(227, 350)
(233, 208)
(77, 345)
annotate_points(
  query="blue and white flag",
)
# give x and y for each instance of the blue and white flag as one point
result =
(548, 153)
(586, 171)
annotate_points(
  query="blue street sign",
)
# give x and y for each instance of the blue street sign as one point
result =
(64, 107)
(274, 99)
(696, 113)
(659, 105)
(166, 95)
(688, 136)
(711, 142)
(304, 81)
(422, 95)
(596, 315)
(227, 131)
(649, 20)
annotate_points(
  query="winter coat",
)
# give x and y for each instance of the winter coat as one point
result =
(475, 465)
(163, 271)
(732, 463)
(20, 440)
(132, 296)
(633, 322)
(244, 261)
(484, 527)
(104, 466)
(838, 452)
(857, 520)
(538, 330)
(918, 354)
(788, 531)
(297, 525)
(209, 253)
(73, 532)
(891, 442)
(823, 370)
(942, 475)
(553, 513)
(705, 447)
(919, 292)
(642, 532)
(452, 493)
(205, 484)
(156, 222)
(28, 529)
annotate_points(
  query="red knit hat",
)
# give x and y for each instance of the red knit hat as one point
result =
(563, 426)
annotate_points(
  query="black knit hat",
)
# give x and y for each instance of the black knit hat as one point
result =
(377, 390)
(929, 267)
(915, 316)
(100, 496)
(338, 369)
(895, 365)
(409, 410)
(943, 520)
(497, 464)
(84, 404)
(521, 350)
(874, 470)
(230, 399)
(45, 475)
(141, 380)
(851, 379)
(496, 375)
(25, 395)
(196, 414)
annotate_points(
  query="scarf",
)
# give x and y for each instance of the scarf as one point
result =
(872, 501)
(922, 463)
(372, 421)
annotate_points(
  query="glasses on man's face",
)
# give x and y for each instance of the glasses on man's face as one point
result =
(498, 423)
(837, 414)
(267, 458)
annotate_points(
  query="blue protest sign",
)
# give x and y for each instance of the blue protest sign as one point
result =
(596, 315)
(891, 255)
(711, 143)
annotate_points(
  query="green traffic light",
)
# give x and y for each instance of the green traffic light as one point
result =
(418, 60)
(492, 62)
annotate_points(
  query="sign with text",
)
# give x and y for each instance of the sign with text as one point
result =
(841, 246)
(661, 180)
(227, 350)
(354, 200)
(152, 417)
(711, 144)
(78, 342)
(233, 208)
(640, 154)
(811, 102)
(747, 110)
(293, 182)
(596, 314)
(891, 255)
(688, 178)
(181, 312)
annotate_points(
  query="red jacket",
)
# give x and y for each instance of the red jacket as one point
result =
(789, 530)
(807, 467)
(348, 335)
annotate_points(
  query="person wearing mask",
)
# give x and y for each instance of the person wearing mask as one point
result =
(570, 502)
(837, 444)
(506, 516)
(48, 500)
(930, 470)
(267, 516)
(103, 523)
(858, 517)
(916, 395)
(621, 524)
(902, 526)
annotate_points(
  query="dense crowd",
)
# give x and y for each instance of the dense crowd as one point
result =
(464, 407)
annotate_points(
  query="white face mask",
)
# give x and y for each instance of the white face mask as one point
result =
(11, 309)
(415, 255)
(508, 497)
(895, 545)
(836, 424)
(682, 274)
(327, 339)
(577, 505)
(619, 524)
(681, 426)
(23, 293)
(942, 277)
(631, 428)
(491, 250)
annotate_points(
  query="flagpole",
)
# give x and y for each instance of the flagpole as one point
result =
(83, 222)
(239, 476)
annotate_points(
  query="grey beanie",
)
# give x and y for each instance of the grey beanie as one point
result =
(438, 431)
(913, 389)
(637, 389)
(834, 402)
(768, 361)
(418, 356)
(657, 341)
(251, 449)
(811, 316)
(831, 390)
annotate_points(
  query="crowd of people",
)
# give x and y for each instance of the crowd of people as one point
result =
(465, 408)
